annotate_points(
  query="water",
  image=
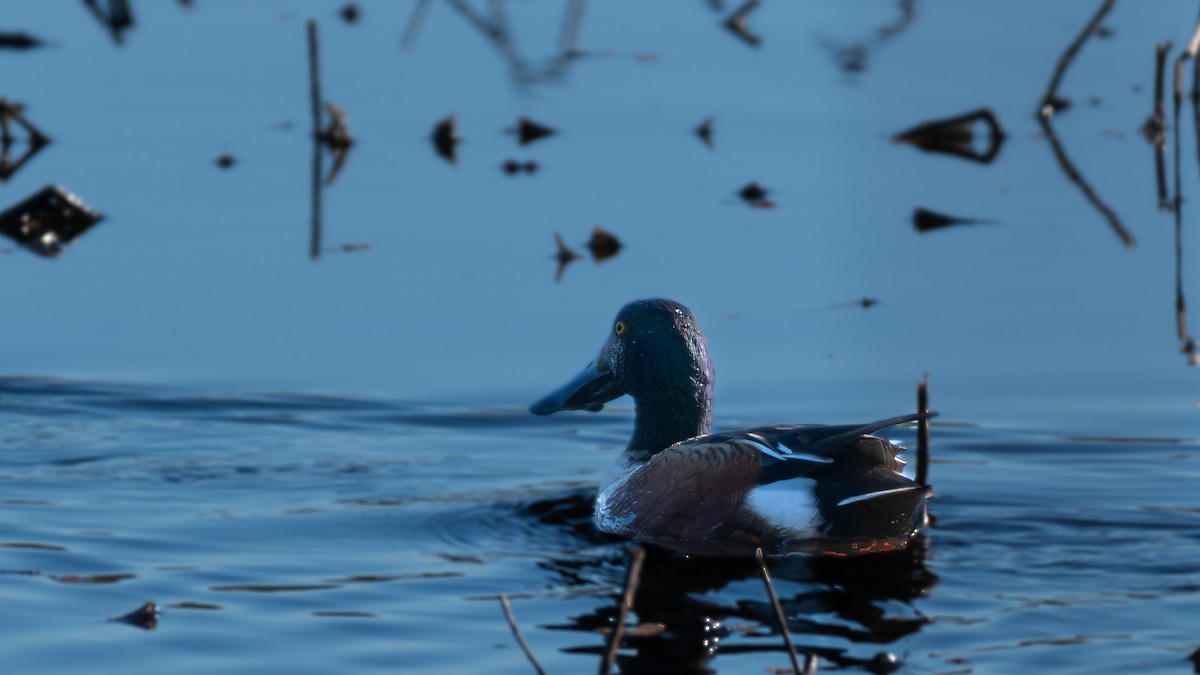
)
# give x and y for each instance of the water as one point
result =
(326, 466)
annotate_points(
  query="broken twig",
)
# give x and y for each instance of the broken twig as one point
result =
(516, 631)
(1155, 128)
(779, 614)
(1051, 103)
(631, 582)
(1188, 344)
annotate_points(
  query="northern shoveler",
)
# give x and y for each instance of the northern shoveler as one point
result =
(785, 488)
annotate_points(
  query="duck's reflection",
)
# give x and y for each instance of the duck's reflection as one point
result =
(680, 623)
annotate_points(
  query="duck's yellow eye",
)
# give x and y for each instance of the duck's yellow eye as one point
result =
(620, 328)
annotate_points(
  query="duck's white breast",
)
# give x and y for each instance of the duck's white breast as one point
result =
(610, 515)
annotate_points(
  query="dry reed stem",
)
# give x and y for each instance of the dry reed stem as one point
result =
(516, 631)
(631, 582)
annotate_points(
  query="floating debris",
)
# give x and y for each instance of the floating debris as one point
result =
(753, 192)
(512, 167)
(19, 41)
(337, 134)
(349, 12)
(351, 247)
(144, 617)
(528, 131)
(738, 23)
(956, 136)
(852, 58)
(1053, 105)
(705, 132)
(336, 137)
(603, 244)
(865, 303)
(11, 113)
(445, 139)
(565, 256)
(225, 161)
(47, 221)
(925, 220)
(1155, 128)
(118, 16)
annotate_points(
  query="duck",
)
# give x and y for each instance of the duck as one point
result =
(786, 489)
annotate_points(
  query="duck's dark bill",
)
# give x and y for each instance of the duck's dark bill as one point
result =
(589, 390)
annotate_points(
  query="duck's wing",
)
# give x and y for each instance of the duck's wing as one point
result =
(835, 488)
(794, 451)
(785, 488)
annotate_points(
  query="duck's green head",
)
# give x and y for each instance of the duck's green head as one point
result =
(656, 353)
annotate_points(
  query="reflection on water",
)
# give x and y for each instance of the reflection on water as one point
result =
(1182, 332)
(854, 57)
(48, 221)
(956, 136)
(12, 114)
(445, 139)
(495, 27)
(334, 137)
(842, 598)
(1052, 104)
(738, 23)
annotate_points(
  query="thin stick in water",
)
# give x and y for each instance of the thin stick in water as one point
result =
(631, 582)
(570, 30)
(1155, 128)
(1050, 103)
(779, 615)
(414, 24)
(923, 432)
(516, 631)
(314, 85)
(1181, 328)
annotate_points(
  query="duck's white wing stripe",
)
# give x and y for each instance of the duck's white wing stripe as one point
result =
(872, 495)
(781, 451)
(763, 446)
